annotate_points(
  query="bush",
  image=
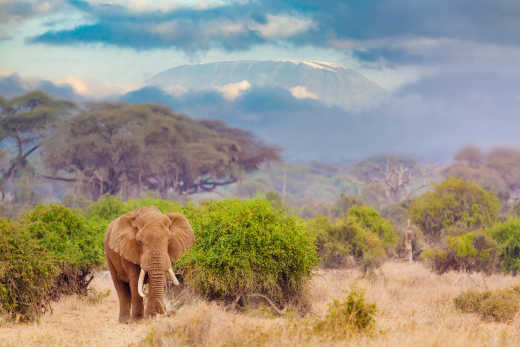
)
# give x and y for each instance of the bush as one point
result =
(507, 235)
(352, 315)
(73, 243)
(27, 273)
(362, 234)
(244, 247)
(498, 305)
(474, 251)
(454, 206)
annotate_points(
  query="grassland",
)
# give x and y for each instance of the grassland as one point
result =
(415, 308)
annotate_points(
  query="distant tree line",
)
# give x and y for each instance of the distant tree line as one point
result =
(122, 149)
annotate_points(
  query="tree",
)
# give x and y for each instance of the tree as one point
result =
(118, 148)
(454, 206)
(394, 176)
(498, 170)
(24, 122)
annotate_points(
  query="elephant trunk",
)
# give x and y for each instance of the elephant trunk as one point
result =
(157, 283)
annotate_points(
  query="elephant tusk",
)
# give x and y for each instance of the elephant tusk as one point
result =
(174, 278)
(140, 283)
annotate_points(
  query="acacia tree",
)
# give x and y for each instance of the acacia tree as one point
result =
(24, 122)
(118, 148)
(389, 175)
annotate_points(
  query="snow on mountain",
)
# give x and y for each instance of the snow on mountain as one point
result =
(331, 83)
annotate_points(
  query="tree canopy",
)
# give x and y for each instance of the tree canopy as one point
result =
(497, 170)
(116, 148)
(453, 207)
(389, 177)
(24, 122)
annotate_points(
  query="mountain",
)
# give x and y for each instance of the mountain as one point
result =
(330, 83)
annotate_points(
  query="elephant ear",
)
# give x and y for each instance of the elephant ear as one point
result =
(181, 235)
(122, 237)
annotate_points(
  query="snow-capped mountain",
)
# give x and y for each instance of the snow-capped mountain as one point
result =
(331, 83)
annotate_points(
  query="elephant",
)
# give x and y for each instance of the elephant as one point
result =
(139, 247)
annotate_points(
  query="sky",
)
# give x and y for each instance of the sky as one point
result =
(451, 62)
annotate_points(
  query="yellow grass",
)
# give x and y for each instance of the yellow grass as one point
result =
(415, 308)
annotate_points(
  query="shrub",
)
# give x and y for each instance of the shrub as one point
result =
(454, 206)
(507, 235)
(107, 208)
(73, 243)
(27, 273)
(474, 251)
(362, 234)
(498, 305)
(352, 315)
(244, 247)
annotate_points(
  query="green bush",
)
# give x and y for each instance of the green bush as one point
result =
(244, 247)
(27, 273)
(507, 235)
(498, 305)
(352, 315)
(454, 206)
(73, 243)
(474, 251)
(362, 234)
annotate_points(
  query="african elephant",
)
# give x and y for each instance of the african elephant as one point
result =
(139, 247)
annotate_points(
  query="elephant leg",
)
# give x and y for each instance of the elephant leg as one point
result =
(137, 300)
(123, 292)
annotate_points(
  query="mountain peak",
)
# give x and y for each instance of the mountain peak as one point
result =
(328, 82)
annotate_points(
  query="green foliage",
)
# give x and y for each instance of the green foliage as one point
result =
(344, 204)
(362, 234)
(473, 251)
(107, 208)
(244, 247)
(72, 242)
(352, 315)
(27, 273)
(453, 207)
(119, 148)
(498, 305)
(507, 235)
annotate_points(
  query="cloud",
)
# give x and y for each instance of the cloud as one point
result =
(232, 90)
(12, 85)
(240, 25)
(14, 11)
(301, 92)
(281, 27)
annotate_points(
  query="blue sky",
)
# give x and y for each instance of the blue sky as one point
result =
(451, 67)
(120, 43)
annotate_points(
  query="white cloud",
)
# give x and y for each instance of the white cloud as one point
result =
(160, 5)
(301, 92)
(232, 90)
(279, 26)
(94, 88)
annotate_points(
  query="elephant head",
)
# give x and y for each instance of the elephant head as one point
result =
(151, 239)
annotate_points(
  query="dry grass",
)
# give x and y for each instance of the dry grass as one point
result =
(415, 308)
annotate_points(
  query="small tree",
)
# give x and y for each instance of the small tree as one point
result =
(361, 235)
(453, 207)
